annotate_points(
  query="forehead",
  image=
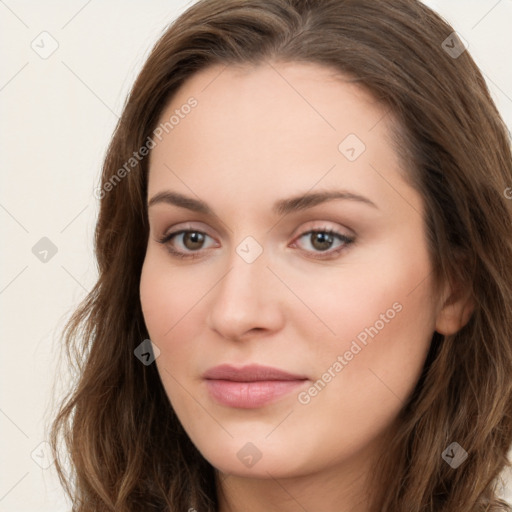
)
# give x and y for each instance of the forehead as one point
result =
(274, 128)
(274, 95)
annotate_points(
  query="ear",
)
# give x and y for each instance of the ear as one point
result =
(457, 306)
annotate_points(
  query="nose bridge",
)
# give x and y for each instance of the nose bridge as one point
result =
(248, 274)
(245, 298)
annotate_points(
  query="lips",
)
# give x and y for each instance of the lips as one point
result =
(250, 386)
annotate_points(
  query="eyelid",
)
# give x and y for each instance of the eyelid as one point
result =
(186, 226)
(323, 225)
(180, 231)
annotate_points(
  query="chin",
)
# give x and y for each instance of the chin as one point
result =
(254, 459)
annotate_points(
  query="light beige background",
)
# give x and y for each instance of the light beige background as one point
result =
(56, 117)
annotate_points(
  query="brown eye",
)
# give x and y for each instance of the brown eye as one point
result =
(193, 240)
(321, 241)
(189, 242)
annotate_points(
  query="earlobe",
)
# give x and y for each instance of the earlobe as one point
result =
(455, 313)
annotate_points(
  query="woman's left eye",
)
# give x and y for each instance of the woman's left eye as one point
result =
(321, 241)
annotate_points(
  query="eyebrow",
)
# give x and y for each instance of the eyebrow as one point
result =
(280, 207)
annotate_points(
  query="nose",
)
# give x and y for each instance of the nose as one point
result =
(248, 300)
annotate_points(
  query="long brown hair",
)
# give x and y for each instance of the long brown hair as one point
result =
(127, 448)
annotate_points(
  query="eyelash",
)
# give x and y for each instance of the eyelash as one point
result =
(196, 254)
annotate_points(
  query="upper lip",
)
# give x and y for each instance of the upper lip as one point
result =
(249, 373)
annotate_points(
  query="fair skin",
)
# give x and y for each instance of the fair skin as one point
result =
(259, 135)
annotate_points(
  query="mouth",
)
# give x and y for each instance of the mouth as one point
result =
(250, 387)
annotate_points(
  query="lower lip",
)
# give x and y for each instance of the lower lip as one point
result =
(250, 395)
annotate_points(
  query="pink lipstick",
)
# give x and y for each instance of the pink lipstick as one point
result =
(251, 386)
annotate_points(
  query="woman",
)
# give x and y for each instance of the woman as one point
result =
(304, 208)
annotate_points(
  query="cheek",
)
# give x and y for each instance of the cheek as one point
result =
(173, 305)
(384, 327)
(166, 302)
(165, 297)
(156, 299)
(383, 294)
(378, 376)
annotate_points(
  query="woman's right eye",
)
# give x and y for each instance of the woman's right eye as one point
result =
(191, 240)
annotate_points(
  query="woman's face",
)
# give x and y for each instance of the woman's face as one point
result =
(348, 310)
